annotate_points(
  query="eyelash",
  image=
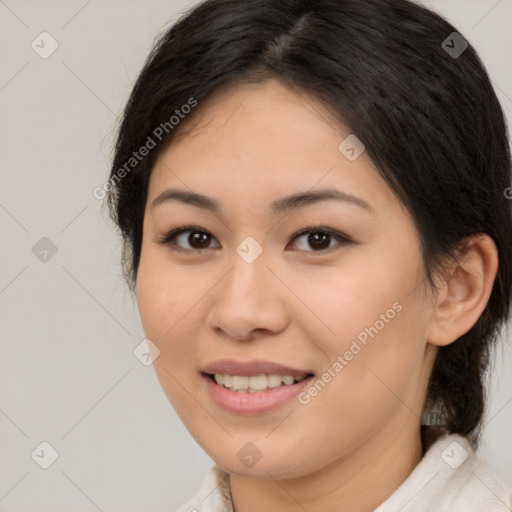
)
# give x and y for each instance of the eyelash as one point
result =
(169, 237)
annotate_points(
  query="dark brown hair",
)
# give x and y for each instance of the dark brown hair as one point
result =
(428, 116)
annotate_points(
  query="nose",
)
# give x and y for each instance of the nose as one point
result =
(249, 302)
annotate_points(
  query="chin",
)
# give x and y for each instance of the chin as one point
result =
(260, 460)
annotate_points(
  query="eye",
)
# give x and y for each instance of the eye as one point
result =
(197, 238)
(320, 238)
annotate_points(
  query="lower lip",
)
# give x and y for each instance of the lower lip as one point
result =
(253, 403)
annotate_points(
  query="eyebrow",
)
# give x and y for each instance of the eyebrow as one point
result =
(283, 205)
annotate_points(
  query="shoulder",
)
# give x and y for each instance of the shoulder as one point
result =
(451, 478)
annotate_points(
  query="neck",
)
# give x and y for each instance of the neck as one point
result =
(359, 481)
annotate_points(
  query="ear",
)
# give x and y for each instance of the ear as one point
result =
(464, 290)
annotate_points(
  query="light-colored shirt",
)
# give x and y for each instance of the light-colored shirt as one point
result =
(449, 478)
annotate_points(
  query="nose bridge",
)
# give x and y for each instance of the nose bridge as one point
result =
(249, 266)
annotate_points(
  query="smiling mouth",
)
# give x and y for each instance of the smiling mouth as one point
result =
(256, 383)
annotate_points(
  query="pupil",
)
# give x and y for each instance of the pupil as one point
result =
(313, 238)
(196, 239)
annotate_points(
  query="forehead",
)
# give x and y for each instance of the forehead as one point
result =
(256, 141)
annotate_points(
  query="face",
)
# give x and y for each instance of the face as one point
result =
(327, 287)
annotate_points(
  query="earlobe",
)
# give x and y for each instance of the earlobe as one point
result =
(465, 291)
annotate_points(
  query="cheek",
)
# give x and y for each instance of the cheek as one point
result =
(168, 306)
(368, 384)
(346, 301)
(169, 312)
(162, 297)
(370, 326)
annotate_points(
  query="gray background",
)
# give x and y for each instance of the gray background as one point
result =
(68, 325)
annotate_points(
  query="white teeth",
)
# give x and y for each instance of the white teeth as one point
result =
(273, 381)
(259, 382)
(240, 382)
(288, 379)
(253, 384)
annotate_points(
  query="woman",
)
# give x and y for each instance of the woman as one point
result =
(312, 198)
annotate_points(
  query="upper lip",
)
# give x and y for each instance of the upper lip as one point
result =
(252, 368)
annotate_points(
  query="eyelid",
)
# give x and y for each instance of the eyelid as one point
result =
(169, 237)
(340, 237)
